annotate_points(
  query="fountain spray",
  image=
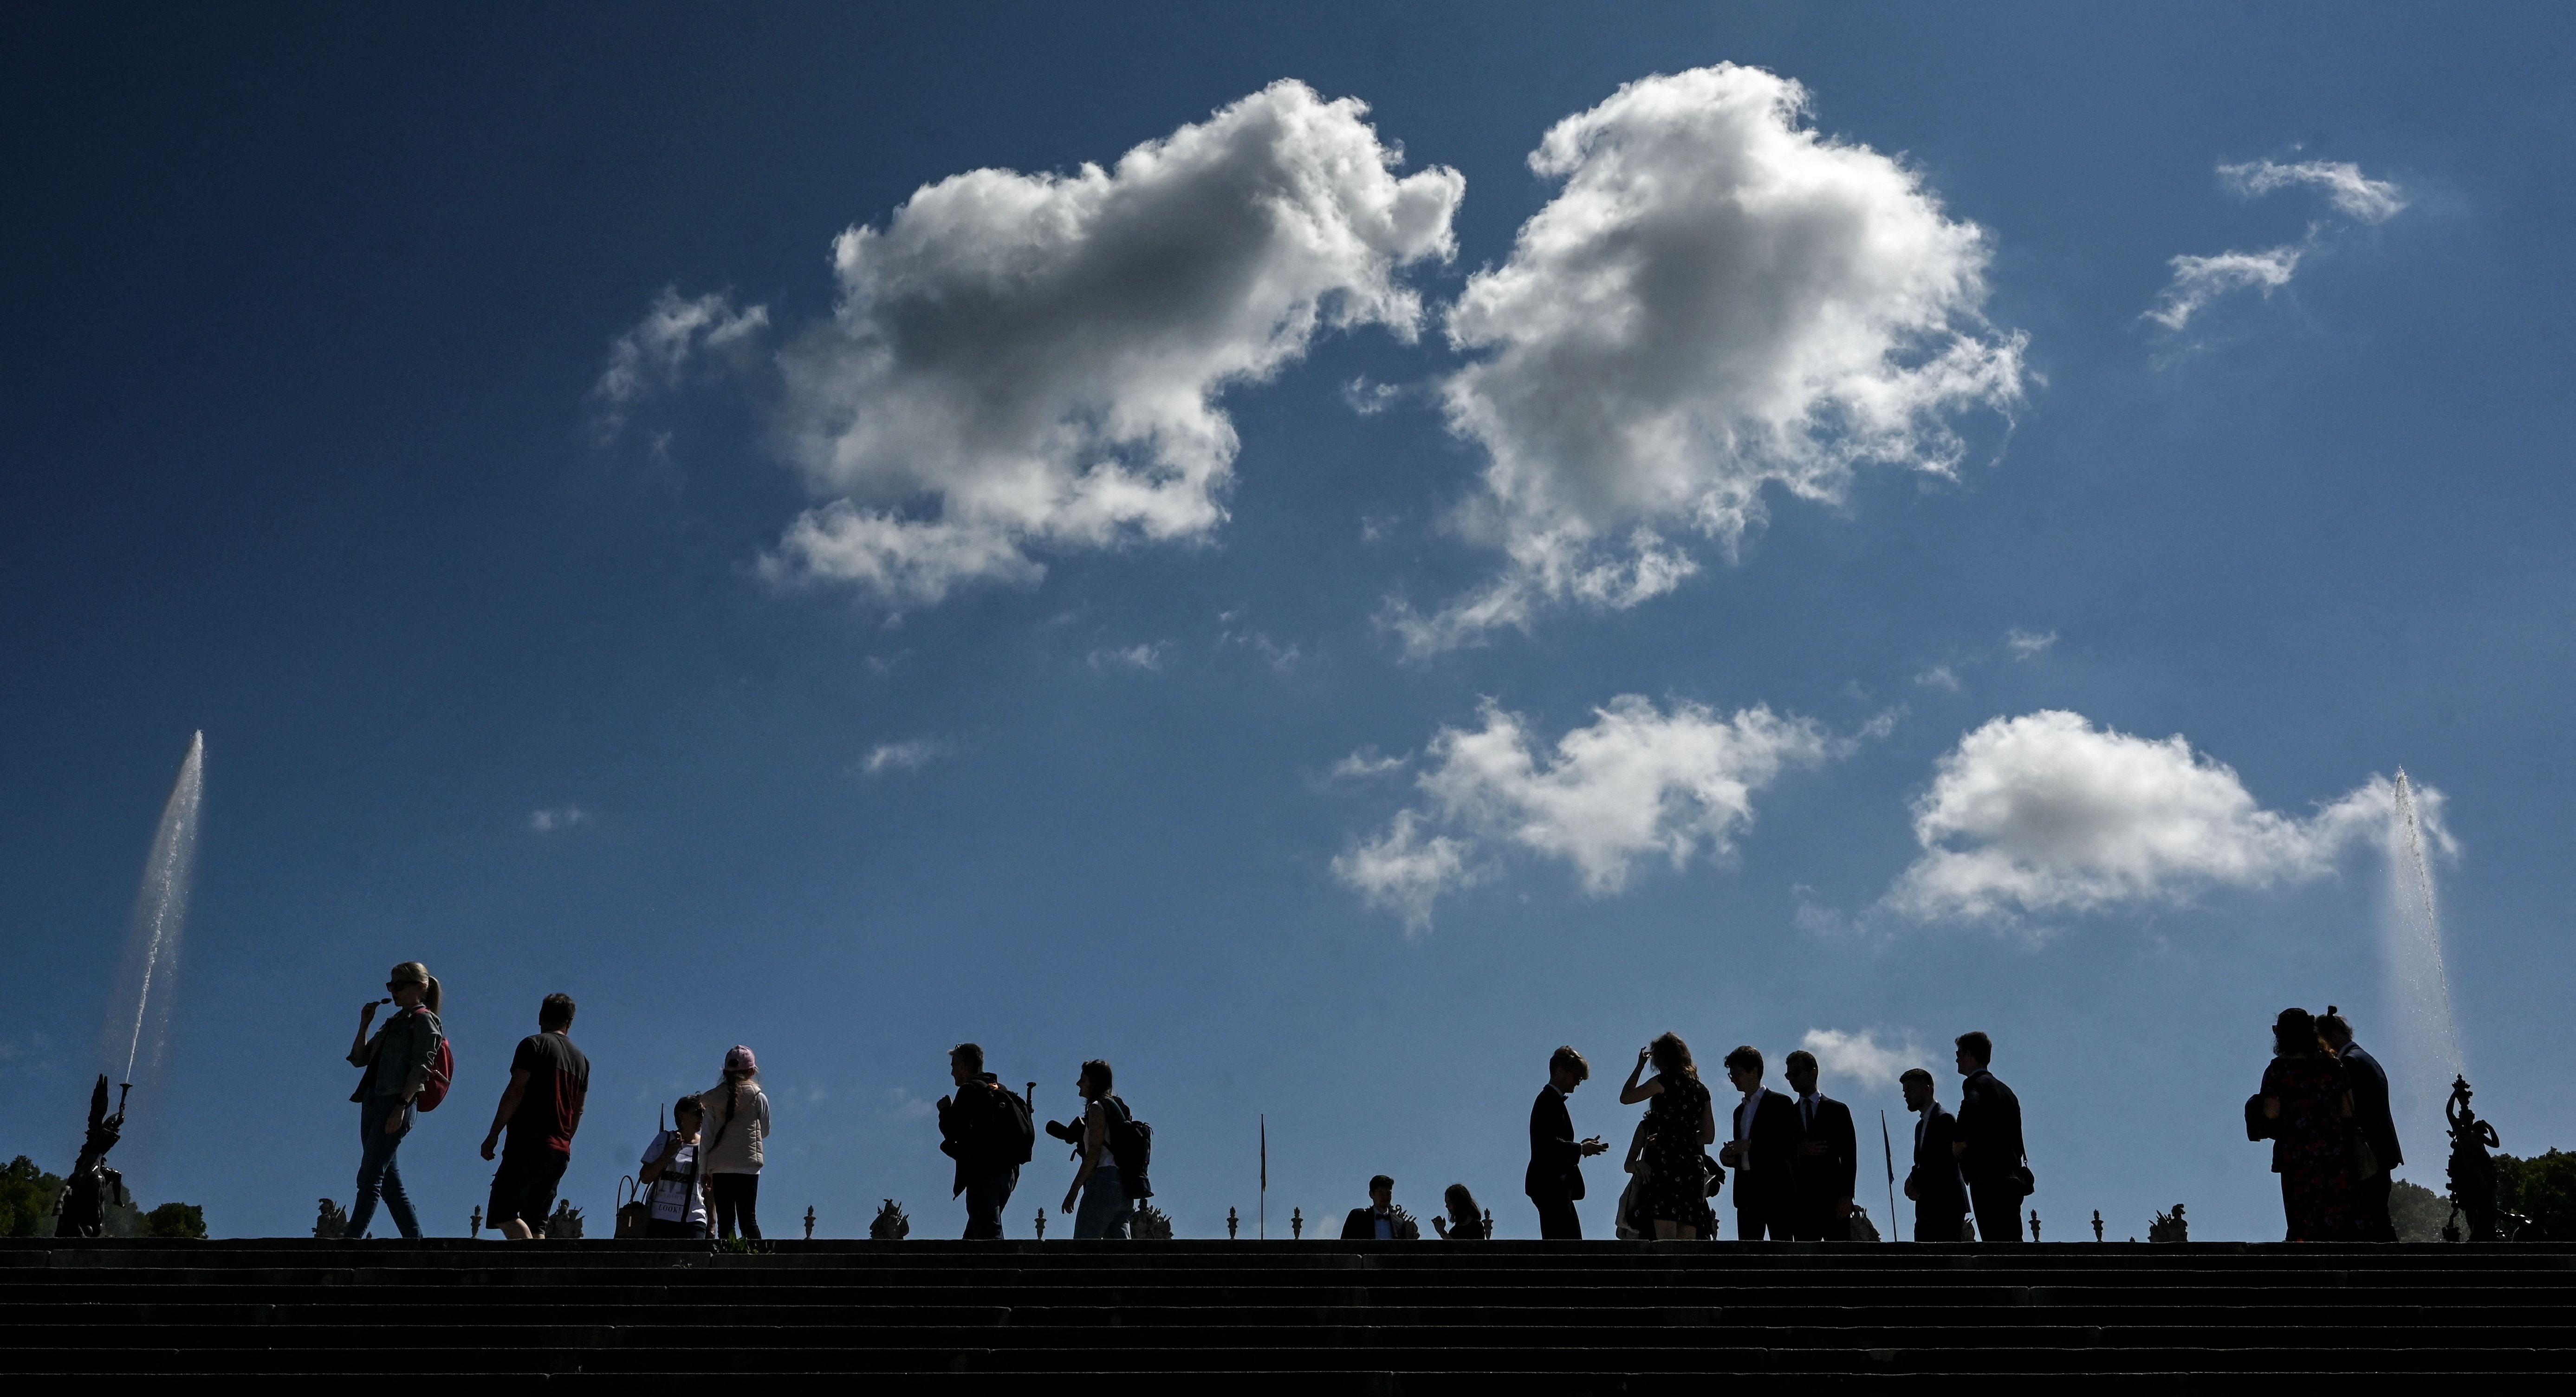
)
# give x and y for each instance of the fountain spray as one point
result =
(2419, 974)
(160, 914)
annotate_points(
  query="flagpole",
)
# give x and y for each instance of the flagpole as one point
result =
(1263, 1224)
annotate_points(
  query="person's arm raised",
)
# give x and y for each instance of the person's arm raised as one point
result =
(1632, 1093)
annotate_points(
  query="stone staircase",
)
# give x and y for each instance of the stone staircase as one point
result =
(1283, 1316)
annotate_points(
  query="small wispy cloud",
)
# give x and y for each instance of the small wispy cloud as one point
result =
(1148, 658)
(557, 817)
(2199, 281)
(2026, 645)
(2352, 193)
(1374, 527)
(1365, 763)
(1940, 677)
(1369, 399)
(911, 755)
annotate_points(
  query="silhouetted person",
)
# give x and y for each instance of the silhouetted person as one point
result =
(1379, 1221)
(1989, 1145)
(985, 1128)
(398, 1062)
(1940, 1197)
(1466, 1221)
(1672, 1170)
(1763, 1152)
(1828, 1161)
(2372, 1122)
(1555, 1177)
(1105, 1197)
(541, 1108)
(2307, 1107)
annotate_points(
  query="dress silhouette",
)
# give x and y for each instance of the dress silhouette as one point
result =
(1676, 1185)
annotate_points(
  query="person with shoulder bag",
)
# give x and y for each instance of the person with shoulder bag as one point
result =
(986, 1128)
(674, 1171)
(1111, 1144)
(740, 1110)
(406, 1072)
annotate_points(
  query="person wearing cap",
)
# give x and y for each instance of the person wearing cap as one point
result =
(737, 1125)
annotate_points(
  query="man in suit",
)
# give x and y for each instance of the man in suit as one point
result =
(1555, 1177)
(1940, 1199)
(1763, 1152)
(1828, 1159)
(1379, 1221)
(1989, 1144)
(2371, 1120)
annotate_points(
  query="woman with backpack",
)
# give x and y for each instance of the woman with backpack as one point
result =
(673, 1171)
(1106, 1206)
(399, 1063)
(740, 1112)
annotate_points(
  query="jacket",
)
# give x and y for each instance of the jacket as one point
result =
(398, 1058)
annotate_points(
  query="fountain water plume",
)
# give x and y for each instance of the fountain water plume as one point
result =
(2419, 973)
(139, 1024)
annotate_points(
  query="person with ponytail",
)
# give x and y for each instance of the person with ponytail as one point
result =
(397, 1062)
(737, 1125)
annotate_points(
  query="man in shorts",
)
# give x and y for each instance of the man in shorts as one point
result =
(549, 1078)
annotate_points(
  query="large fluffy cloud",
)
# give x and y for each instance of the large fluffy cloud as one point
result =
(1719, 300)
(1028, 362)
(2048, 813)
(1636, 782)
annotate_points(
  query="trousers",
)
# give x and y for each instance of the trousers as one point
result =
(737, 1200)
(1105, 1207)
(1557, 1220)
(1998, 1210)
(986, 1196)
(377, 1173)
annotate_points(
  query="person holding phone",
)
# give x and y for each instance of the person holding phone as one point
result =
(672, 1170)
(397, 1062)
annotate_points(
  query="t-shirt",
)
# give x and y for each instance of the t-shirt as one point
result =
(676, 1197)
(550, 1105)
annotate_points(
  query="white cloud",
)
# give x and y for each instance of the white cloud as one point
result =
(654, 355)
(910, 755)
(1365, 763)
(1718, 301)
(2353, 194)
(1636, 782)
(2048, 813)
(1859, 1057)
(558, 817)
(2197, 281)
(1147, 658)
(1939, 677)
(2028, 645)
(1402, 871)
(1369, 399)
(1029, 362)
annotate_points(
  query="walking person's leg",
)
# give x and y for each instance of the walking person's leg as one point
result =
(1998, 1211)
(377, 1175)
(1103, 1206)
(747, 1204)
(986, 1197)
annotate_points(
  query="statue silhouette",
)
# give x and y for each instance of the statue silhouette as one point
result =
(2473, 1172)
(92, 1186)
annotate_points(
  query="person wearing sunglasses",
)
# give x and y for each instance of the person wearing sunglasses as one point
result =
(397, 1062)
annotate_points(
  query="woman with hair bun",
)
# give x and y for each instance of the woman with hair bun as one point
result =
(397, 1062)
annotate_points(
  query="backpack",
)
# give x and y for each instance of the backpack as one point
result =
(442, 1070)
(1131, 1147)
(1014, 1132)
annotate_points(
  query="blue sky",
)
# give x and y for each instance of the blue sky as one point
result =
(1219, 636)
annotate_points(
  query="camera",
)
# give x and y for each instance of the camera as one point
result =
(1069, 1132)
